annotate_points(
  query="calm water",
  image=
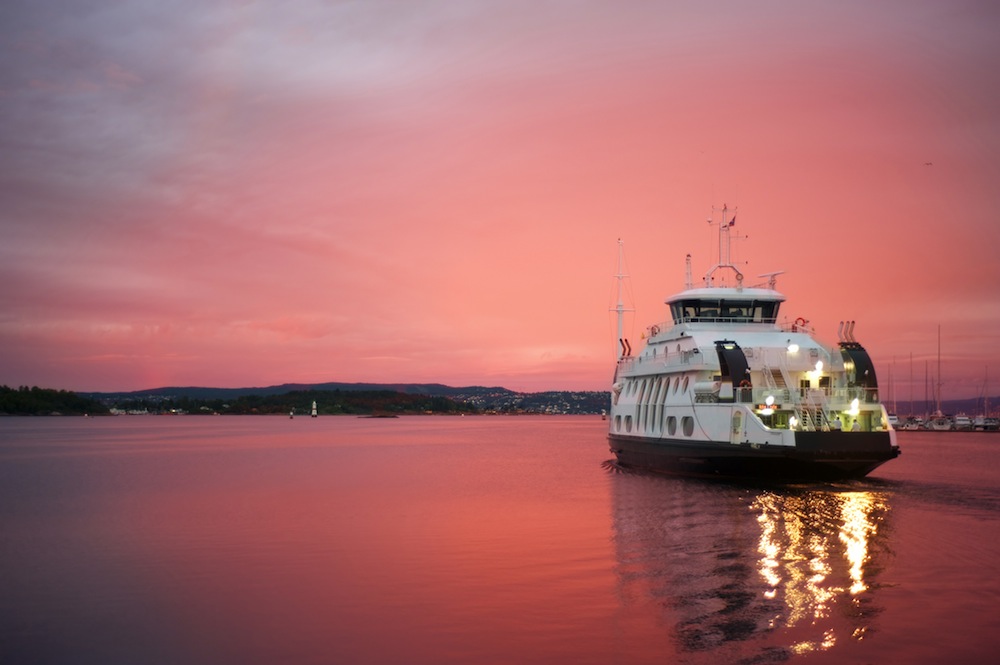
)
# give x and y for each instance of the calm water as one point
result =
(475, 540)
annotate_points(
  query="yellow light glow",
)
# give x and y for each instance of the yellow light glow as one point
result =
(855, 534)
(793, 348)
(855, 407)
(819, 366)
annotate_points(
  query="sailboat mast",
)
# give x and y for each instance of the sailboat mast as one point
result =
(938, 391)
(986, 393)
(892, 384)
(927, 398)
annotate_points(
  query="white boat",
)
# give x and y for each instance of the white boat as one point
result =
(724, 389)
(313, 413)
(985, 424)
(962, 423)
(939, 422)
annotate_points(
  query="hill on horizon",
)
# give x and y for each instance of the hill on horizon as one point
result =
(971, 406)
(201, 392)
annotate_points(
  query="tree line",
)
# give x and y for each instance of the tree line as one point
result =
(328, 402)
(35, 401)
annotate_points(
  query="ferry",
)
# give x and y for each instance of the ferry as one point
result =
(724, 389)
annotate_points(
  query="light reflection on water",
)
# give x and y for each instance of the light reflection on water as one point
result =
(809, 571)
(748, 574)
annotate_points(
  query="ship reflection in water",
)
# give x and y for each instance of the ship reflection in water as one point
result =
(749, 574)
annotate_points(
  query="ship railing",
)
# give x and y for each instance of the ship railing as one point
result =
(744, 395)
(760, 395)
(667, 359)
(844, 396)
(710, 318)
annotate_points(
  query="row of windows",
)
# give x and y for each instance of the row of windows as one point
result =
(687, 424)
(660, 385)
(650, 403)
(744, 311)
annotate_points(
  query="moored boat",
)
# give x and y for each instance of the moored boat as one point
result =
(724, 389)
(938, 422)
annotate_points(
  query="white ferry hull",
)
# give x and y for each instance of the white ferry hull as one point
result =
(815, 456)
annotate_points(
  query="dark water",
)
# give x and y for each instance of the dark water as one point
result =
(475, 540)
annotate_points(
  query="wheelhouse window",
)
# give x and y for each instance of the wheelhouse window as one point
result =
(724, 310)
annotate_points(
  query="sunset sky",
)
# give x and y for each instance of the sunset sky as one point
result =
(248, 193)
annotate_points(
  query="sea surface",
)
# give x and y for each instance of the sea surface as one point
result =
(487, 539)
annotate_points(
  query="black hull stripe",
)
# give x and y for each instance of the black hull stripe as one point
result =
(816, 456)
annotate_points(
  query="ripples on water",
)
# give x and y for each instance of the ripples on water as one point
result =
(746, 574)
(486, 540)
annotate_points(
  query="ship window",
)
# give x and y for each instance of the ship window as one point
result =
(618, 423)
(687, 424)
(628, 423)
(672, 425)
(715, 310)
(685, 388)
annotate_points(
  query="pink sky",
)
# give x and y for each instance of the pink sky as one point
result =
(250, 193)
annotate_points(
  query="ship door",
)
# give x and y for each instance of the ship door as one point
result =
(736, 430)
(734, 372)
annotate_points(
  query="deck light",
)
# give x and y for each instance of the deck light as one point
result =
(855, 407)
(792, 347)
(793, 422)
(819, 366)
(768, 406)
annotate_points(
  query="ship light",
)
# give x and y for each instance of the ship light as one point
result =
(855, 407)
(819, 366)
(768, 406)
(793, 422)
(792, 347)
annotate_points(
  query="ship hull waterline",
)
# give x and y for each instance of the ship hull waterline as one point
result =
(817, 456)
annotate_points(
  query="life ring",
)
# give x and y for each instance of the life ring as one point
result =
(799, 323)
(654, 330)
(745, 384)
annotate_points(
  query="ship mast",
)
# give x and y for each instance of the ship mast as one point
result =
(620, 306)
(725, 260)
